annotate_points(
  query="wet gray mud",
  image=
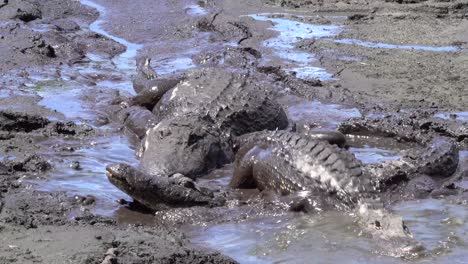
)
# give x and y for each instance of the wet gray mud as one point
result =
(68, 77)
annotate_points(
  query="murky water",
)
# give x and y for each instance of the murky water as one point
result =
(90, 178)
(320, 115)
(439, 225)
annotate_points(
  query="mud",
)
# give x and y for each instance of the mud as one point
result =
(67, 109)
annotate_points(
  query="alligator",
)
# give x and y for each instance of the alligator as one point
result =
(423, 171)
(420, 126)
(317, 174)
(197, 119)
(288, 163)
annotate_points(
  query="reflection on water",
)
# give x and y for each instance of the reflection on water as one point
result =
(329, 238)
(64, 90)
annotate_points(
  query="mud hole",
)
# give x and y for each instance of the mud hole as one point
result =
(171, 86)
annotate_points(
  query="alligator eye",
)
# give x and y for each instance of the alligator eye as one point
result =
(377, 224)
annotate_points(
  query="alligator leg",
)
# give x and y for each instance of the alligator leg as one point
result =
(243, 173)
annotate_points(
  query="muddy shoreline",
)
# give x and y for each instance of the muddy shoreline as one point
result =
(66, 74)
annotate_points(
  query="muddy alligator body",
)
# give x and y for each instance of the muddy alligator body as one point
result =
(287, 163)
(161, 192)
(198, 118)
(427, 170)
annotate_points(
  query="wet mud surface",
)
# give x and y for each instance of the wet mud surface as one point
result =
(390, 75)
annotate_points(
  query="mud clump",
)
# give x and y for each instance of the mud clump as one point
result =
(21, 122)
(25, 11)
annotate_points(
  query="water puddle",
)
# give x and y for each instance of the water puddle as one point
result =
(173, 65)
(462, 116)
(371, 150)
(319, 115)
(291, 32)
(333, 237)
(370, 155)
(394, 46)
(195, 10)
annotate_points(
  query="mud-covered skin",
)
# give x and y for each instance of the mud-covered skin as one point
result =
(136, 119)
(197, 118)
(238, 102)
(422, 170)
(147, 83)
(308, 169)
(161, 192)
(149, 97)
(418, 127)
(286, 163)
(388, 231)
(332, 137)
(188, 144)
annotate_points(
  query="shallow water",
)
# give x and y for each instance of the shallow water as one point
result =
(320, 115)
(196, 10)
(440, 226)
(66, 93)
(462, 116)
(291, 32)
(395, 46)
(371, 155)
(91, 178)
(126, 60)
